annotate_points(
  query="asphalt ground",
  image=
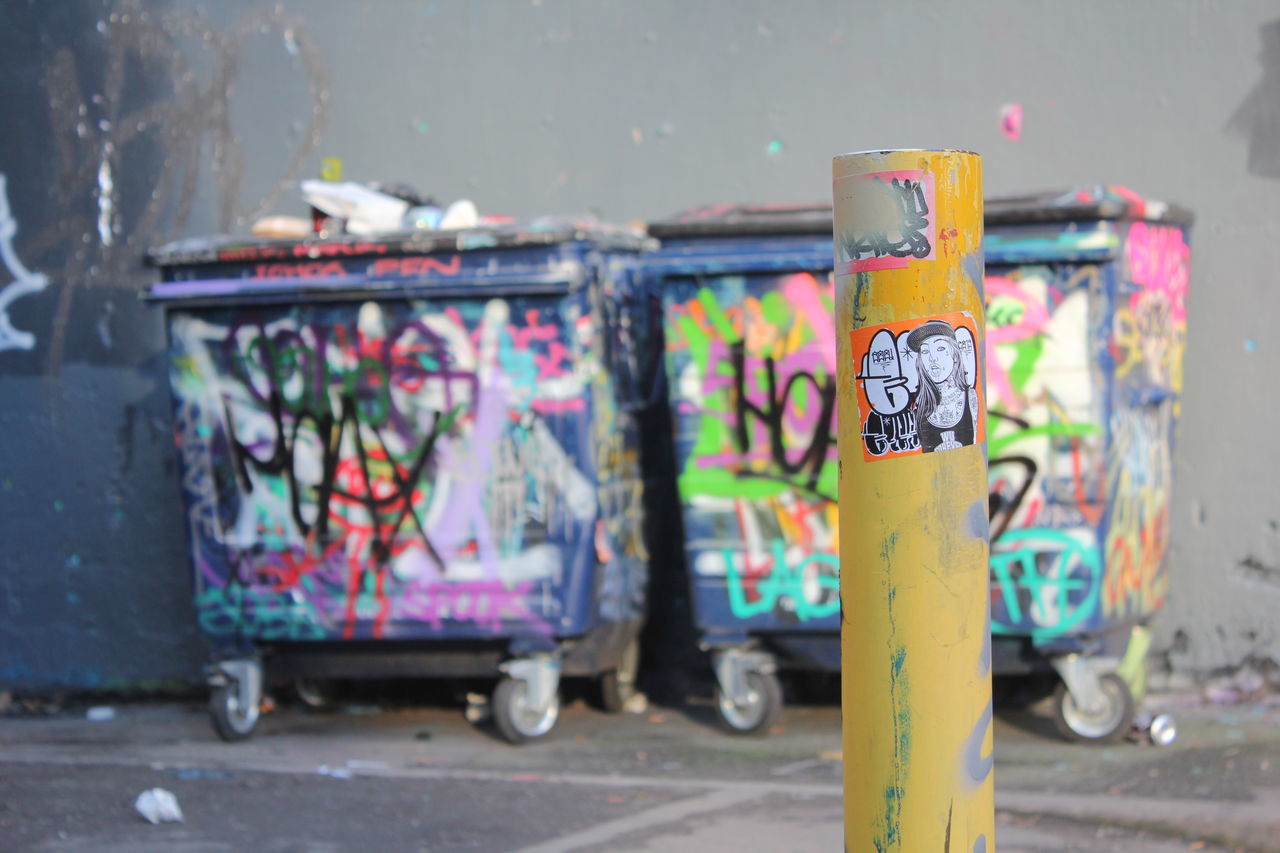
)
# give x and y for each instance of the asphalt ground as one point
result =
(404, 773)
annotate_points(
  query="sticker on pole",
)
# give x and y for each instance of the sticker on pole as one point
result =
(886, 220)
(918, 386)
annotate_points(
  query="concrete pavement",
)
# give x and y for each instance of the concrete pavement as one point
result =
(415, 777)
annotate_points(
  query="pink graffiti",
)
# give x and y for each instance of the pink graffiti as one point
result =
(1011, 121)
(803, 291)
(485, 603)
(533, 331)
(1137, 204)
(1159, 260)
(555, 407)
(1035, 316)
(552, 364)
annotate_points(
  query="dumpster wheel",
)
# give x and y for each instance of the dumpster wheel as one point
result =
(1107, 724)
(316, 693)
(235, 698)
(517, 720)
(760, 706)
(618, 685)
(232, 720)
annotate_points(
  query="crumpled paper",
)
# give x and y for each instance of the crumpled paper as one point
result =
(159, 806)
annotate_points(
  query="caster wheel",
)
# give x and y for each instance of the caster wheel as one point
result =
(315, 693)
(233, 719)
(1108, 724)
(618, 685)
(758, 711)
(515, 717)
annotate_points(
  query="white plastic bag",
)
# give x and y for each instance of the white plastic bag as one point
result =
(159, 806)
(366, 211)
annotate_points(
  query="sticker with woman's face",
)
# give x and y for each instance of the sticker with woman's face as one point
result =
(918, 386)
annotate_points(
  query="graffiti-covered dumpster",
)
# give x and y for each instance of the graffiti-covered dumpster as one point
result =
(1086, 317)
(411, 456)
(747, 302)
(1086, 322)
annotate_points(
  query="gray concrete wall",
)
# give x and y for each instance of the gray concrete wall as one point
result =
(126, 127)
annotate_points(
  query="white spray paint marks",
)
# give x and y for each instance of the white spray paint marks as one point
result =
(24, 281)
(106, 196)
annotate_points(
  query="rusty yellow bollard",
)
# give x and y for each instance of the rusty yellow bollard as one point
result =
(916, 633)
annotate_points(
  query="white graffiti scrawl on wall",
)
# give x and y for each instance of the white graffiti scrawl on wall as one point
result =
(24, 281)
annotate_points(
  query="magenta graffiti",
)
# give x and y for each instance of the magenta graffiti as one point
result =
(415, 265)
(484, 603)
(319, 269)
(1159, 260)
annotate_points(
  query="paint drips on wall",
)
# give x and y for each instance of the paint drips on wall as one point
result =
(106, 197)
(1011, 121)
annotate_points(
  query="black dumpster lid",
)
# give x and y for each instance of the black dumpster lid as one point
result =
(746, 220)
(1110, 201)
(1081, 203)
(538, 232)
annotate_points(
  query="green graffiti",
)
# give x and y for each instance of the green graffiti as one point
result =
(722, 483)
(1020, 249)
(777, 341)
(714, 431)
(367, 602)
(290, 367)
(261, 614)
(893, 795)
(1005, 311)
(787, 583)
(716, 315)
(900, 699)
(1051, 590)
(997, 445)
(1026, 355)
(778, 312)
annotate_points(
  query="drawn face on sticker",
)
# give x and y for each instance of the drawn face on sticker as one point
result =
(939, 357)
(925, 400)
(882, 376)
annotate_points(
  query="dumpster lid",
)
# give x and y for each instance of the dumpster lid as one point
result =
(723, 220)
(544, 231)
(1098, 202)
(1110, 201)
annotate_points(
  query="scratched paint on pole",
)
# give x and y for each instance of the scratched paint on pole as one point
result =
(915, 595)
(918, 386)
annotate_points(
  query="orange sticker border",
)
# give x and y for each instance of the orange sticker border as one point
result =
(908, 376)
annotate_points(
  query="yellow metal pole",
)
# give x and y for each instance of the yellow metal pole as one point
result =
(915, 636)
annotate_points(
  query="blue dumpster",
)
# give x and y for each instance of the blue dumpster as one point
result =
(1086, 296)
(1086, 325)
(412, 456)
(747, 301)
